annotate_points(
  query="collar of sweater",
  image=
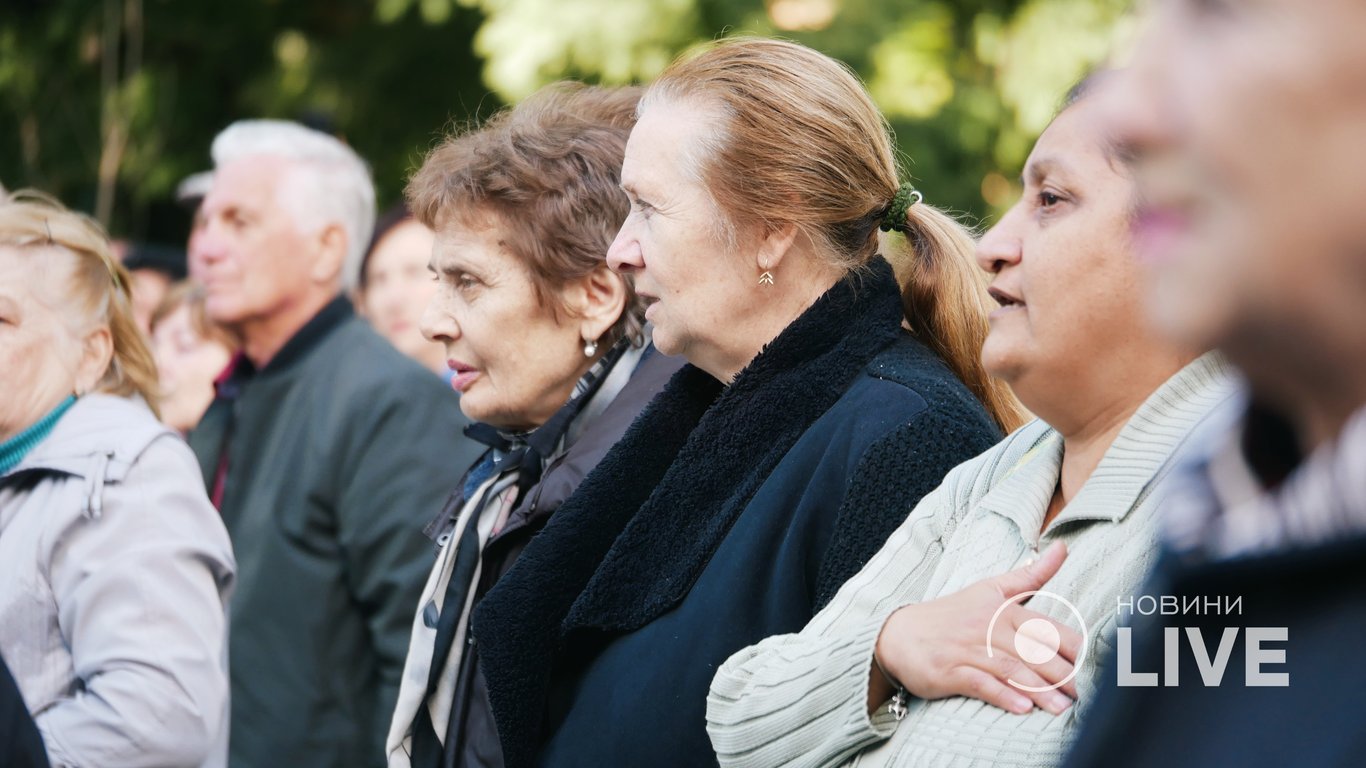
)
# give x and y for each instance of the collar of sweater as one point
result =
(13, 450)
(632, 540)
(1141, 455)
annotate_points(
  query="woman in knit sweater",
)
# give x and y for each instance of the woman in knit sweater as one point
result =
(936, 653)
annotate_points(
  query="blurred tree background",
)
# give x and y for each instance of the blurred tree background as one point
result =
(108, 104)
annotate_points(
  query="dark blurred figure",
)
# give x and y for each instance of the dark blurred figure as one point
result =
(20, 744)
(154, 268)
(1247, 120)
(325, 450)
(395, 286)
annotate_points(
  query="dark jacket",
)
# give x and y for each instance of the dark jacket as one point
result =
(1294, 568)
(340, 448)
(471, 737)
(1319, 595)
(20, 744)
(724, 515)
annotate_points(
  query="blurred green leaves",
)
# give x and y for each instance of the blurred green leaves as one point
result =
(966, 84)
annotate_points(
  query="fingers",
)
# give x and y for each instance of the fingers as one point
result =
(1026, 680)
(1034, 575)
(1037, 643)
(983, 686)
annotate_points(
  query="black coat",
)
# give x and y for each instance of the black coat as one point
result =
(21, 746)
(725, 515)
(472, 738)
(1319, 595)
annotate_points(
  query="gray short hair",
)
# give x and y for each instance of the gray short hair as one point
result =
(328, 182)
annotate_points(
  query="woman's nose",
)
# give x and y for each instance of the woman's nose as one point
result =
(437, 325)
(624, 255)
(1000, 246)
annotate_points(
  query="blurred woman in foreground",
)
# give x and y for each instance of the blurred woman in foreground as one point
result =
(115, 568)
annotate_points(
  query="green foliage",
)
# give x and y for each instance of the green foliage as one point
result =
(142, 86)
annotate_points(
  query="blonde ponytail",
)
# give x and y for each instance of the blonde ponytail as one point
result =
(945, 300)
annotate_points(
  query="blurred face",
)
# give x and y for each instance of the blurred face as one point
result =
(1248, 119)
(515, 364)
(1063, 270)
(41, 352)
(398, 288)
(700, 295)
(187, 364)
(148, 288)
(247, 251)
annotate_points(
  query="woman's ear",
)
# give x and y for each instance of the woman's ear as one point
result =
(597, 300)
(775, 245)
(330, 256)
(97, 353)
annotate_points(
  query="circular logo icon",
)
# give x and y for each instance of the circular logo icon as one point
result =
(1037, 640)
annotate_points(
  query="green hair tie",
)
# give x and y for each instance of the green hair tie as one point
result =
(894, 217)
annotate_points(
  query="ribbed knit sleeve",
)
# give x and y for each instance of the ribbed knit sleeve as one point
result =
(801, 699)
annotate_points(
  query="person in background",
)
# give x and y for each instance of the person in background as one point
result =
(115, 570)
(926, 658)
(524, 208)
(154, 269)
(806, 424)
(325, 450)
(1246, 120)
(394, 286)
(190, 351)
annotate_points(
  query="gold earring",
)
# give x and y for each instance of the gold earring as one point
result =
(767, 277)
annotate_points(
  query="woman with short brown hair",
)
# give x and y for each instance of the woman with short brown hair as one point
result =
(546, 346)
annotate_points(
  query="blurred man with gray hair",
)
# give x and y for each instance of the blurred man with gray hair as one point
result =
(325, 450)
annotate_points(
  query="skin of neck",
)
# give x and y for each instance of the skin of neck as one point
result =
(264, 337)
(1090, 417)
(802, 279)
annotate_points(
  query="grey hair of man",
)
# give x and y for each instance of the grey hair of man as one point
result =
(325, 182)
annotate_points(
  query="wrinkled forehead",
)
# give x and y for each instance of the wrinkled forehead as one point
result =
(668, 141)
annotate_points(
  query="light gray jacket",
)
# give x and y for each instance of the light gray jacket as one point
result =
(115, 572)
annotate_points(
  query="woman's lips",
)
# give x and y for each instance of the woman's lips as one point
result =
(464, 375)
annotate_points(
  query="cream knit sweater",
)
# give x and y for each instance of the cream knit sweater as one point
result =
(800, 700)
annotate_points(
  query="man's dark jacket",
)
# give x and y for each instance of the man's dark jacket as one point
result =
(339, 449)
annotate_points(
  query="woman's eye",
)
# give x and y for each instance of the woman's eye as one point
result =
(1048, 199)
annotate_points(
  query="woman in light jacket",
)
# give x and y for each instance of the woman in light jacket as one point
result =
(930, 655)
(114, 567)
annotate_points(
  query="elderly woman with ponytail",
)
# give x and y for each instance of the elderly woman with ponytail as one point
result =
(821, 400)
(114, 567)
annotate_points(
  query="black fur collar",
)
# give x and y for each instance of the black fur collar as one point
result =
(632, 540)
